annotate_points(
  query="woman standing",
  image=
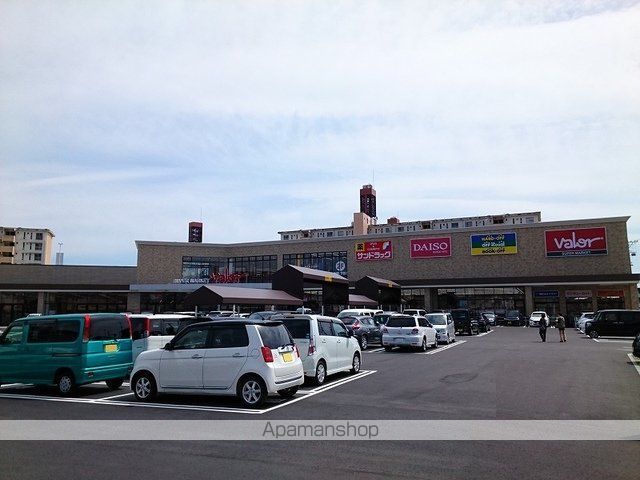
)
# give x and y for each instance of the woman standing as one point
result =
(543, 327)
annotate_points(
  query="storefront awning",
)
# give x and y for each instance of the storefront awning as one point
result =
(293, 280)
(384, 292)
(219, 295)
(357, 300)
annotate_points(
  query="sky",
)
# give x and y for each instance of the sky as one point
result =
(123, 121)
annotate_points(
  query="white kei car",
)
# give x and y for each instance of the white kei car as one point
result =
(225, 357)
(325, 344)
(534, 319)
(445, 328)
(408, 331)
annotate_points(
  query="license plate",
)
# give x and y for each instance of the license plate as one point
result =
(399, 339)
(287, 357)
(110, 348)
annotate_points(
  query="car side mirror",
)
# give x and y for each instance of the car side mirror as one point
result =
(168, 346)
(349, 333)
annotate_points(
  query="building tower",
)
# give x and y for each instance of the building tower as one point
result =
(195, 232)
(368, 201)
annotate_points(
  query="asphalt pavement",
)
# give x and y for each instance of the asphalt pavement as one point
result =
(504, 375)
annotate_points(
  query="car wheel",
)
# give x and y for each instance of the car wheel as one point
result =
(423, 347)
(65, 384)
(252, 391)
(435, 343)
(364, 343)
(321, 373)
(355, 364)
(288, 392)
(388, 349)
(144, 387)
(593, 334)
(114, 383)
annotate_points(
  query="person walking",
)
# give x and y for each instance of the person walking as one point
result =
(543, 327)
(560, 324)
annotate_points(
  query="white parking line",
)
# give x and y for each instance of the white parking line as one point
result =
(322, 389)
(442, 349)
(484, 333)
(634, 362)
(595, 340)
(375, 350)
(115, 396)
(167, 406)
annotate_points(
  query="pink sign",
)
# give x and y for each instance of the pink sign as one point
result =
(431, 247)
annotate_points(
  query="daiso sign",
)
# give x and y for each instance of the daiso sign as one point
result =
(576, 242)
(431, 247)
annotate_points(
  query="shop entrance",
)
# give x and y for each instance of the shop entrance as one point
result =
(610, 299)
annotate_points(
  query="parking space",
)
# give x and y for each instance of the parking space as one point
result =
(98, 394)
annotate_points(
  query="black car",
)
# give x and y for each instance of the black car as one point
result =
(365, 329)
(514, 317)
(484, 325)
(613, 322)
(464, 321)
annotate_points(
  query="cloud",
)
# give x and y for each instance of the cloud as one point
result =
(123, 121)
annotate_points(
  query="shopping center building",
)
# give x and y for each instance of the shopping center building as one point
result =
(567, 266)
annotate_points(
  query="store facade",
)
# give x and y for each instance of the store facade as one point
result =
(561, 267)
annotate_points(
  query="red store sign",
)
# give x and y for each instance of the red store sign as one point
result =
(431, 247)
(367, 251)
(576, 242)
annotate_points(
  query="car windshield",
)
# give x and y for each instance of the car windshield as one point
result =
(381, 318)
(348, 320)
(459, 314)
(513, 313)
(401, 322)
(435, 319)
(347, 313)
(274, 336)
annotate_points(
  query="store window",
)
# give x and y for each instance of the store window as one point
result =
(58, 303)
(497, 299)
(15, 305)
(335, 262)
(253, 269)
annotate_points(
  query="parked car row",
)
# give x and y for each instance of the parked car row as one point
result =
(174, 353)
(613, 322)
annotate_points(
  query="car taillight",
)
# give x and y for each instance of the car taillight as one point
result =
(267, 355)
(312, 348)
(297, 351)
(86, 334)
(384, 330)
(356, 325)
(414, 331)
(130, 325)
(146, 327)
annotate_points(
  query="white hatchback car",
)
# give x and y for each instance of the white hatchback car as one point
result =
(408, 331)
(445, 328)
(325, 344)
(226, 357)
(534, 319)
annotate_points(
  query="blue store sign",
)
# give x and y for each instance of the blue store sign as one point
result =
(546, 293)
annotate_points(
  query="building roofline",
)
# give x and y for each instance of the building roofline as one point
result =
(487, 228)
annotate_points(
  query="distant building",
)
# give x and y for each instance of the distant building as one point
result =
(26, 246)
(195, 232)
(368, 201)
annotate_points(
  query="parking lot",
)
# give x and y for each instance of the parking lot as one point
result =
(506, 374)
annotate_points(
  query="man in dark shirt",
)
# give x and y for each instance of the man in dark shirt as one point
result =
(543, 327)
(560, 323)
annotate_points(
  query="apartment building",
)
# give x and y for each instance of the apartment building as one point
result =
(26, 246)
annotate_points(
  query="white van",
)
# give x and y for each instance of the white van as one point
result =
(359, 312)
(325, 345)
(150, 331)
